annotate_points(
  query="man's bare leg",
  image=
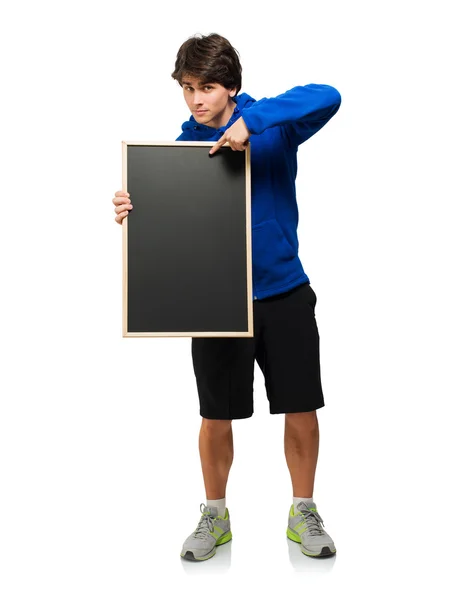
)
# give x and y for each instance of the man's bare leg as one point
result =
(301, 446)
(216, 455)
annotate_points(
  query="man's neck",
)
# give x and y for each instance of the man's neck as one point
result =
(227, 113)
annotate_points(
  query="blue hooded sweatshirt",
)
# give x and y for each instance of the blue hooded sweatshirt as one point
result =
(278, 126)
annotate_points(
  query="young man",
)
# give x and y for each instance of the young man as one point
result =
(286, 339)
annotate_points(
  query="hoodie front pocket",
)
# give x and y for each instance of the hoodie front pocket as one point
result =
(273, 256)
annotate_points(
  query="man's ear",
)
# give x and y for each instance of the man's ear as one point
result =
(233, 93)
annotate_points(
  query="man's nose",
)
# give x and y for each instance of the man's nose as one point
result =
(198, 97)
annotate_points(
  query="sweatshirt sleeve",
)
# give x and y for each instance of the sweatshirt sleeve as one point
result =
(303, 110)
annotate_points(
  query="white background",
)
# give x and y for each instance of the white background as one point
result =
(100, 475)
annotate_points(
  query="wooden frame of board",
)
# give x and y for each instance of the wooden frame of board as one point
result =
(187, 254)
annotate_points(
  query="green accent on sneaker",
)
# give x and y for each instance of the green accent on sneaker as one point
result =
(303, 529)
(226, 517)
(217, 532)
(225, 538)
(293, 536)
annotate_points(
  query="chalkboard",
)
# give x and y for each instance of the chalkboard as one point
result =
(187, 242)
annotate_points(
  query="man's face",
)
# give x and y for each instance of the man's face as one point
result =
(210, 103)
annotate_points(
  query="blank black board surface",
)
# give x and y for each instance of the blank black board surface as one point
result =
(187, 241)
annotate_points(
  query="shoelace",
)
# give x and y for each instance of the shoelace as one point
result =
(206, 524)
(312, 519)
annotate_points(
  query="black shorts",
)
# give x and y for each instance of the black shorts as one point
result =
(286, 348)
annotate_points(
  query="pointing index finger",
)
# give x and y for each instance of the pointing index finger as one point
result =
(216, 146)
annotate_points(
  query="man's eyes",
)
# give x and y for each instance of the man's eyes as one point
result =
(190, 89)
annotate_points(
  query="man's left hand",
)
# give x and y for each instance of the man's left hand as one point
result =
(237, 136)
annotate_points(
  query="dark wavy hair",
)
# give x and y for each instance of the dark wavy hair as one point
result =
(210, 58)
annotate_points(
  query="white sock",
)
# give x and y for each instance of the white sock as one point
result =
(297, 500)
(219, 504)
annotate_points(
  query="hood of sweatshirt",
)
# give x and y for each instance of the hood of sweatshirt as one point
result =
(193, 131)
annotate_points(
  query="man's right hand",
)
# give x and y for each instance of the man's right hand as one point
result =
(123, 205)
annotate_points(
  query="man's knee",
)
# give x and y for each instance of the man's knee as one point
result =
(304, 421)
(216, 425)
